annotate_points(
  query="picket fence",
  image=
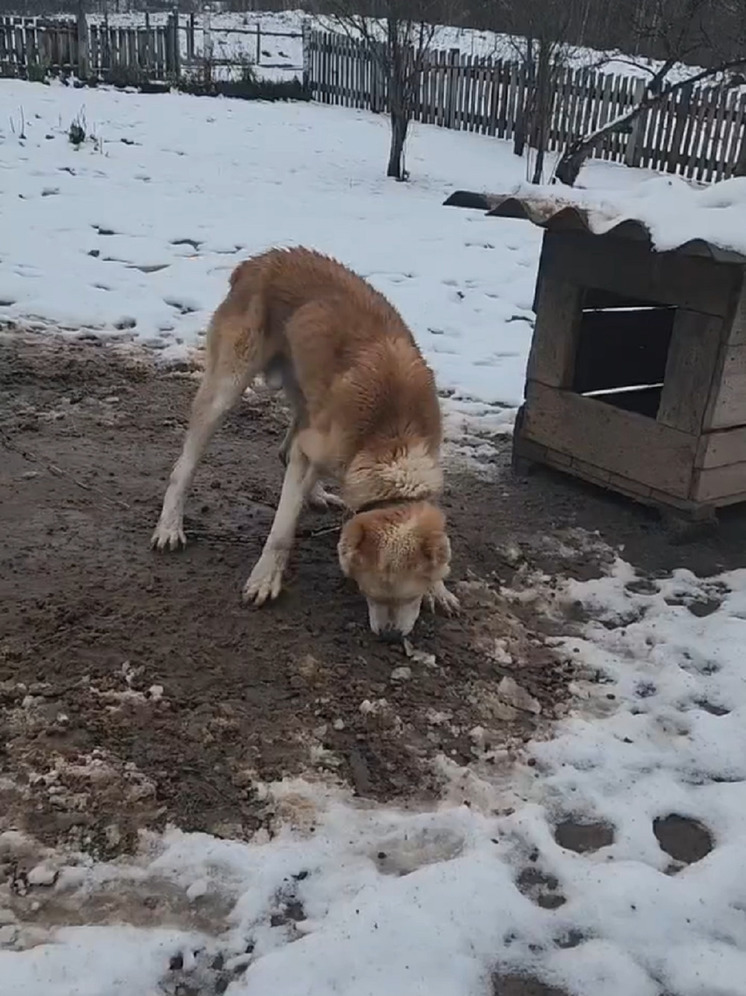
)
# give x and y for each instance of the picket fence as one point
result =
(697, 132)
(30, 43)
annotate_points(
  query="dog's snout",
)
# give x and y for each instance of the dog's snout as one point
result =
(391, 635)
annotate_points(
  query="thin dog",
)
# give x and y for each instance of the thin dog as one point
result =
(365, 412)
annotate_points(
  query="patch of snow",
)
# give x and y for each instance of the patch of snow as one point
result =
(674, 210)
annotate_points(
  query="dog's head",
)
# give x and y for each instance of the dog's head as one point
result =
(395, 554)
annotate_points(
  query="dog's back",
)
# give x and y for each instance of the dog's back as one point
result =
(352, 356)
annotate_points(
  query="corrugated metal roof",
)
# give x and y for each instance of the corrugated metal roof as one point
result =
(556, 216)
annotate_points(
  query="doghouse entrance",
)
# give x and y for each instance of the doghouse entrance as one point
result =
(622, 348)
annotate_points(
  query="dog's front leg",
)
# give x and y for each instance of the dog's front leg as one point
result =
(265, 580)
(440, 597)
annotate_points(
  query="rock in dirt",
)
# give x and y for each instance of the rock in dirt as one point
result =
(518, 698)
(43, 875)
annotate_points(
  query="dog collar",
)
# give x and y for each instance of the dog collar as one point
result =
(370, 506)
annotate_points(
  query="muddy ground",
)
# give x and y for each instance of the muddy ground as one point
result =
(137, 689)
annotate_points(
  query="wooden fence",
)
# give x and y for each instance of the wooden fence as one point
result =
(165, 52)
(29, 44)
(698, 132)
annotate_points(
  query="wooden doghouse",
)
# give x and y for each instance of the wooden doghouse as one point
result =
(636, 378)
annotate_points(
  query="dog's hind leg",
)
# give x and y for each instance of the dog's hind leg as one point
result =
(215, 397)
(284, 450)
(232, 365)
(318, 497)
(265, 580)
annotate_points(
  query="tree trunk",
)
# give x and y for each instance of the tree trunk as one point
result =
(525, 113)
(543, 112)
(399, 107)
(82, 33)
(399, 126)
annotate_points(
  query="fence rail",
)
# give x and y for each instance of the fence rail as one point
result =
(697, 132)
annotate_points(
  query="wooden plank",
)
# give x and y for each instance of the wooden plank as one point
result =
(690, 369)
(605, 111)
(719, 449)
(728, 135)
(552, 356)
(718, 483)
(630, 268)
(714, 165)
(481, 119)
(610, 482)
(729, 403)
(737, 324)
(680, 112)
(621, 442)
(633, 151)
(706, 149)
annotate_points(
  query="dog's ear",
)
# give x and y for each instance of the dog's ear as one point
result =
(437, 550)
(348, 548)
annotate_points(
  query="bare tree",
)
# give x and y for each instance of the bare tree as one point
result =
(683, 30)
(399, 40)
(539, 36)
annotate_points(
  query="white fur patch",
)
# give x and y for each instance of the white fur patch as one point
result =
(413, 475)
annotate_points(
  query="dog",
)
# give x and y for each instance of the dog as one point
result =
(365, 412)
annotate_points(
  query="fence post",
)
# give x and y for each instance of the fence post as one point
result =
(306, 58)
(633, 152)
(176, 41)
(258, 43)
(451, 87)
(739, 167)
(82, 29)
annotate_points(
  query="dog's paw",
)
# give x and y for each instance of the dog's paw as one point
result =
(439, 597)
(265, 581)
(324, 500)
(168, 536)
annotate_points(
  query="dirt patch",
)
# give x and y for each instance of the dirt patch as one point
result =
(684, 839)
(583, 837)
(523, 985)
(137, 689)
(541, 888)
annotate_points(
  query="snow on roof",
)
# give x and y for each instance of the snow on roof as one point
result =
(668, 211)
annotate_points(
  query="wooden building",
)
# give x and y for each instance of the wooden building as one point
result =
(636, 378)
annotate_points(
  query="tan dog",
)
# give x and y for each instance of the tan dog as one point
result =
(365, 411)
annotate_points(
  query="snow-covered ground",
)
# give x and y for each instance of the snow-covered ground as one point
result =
(136, 233)
(367, 901)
